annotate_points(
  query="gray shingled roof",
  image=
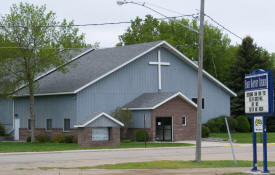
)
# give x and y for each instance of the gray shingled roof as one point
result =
(82, 122)
(88, 67)
(95, 116)
(148, 100)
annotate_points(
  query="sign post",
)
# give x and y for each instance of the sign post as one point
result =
(259, 105)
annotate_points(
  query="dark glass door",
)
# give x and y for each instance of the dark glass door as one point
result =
(164, 128)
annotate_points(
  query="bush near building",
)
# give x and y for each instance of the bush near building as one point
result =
(141, 135)
(217, 125)
(205, 132)
(2, 130)
(243, 124)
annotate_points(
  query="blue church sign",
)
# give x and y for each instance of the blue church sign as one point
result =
(258, 105)
(259, 93)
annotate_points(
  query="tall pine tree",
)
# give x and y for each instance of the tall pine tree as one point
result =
(249, 57)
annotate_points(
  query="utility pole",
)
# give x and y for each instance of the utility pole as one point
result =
(199, 100)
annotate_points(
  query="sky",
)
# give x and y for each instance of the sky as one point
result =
(243, 17)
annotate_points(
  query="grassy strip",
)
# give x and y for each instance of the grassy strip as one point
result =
(179, 164)
(37, 147)
(166, 164)
(244, 137)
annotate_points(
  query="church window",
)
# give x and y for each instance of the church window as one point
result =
(195, 101)
(67, 124)
(183, 121)
(29, 124)
(49, 124)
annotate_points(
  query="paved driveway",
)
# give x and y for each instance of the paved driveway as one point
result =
(9, 162)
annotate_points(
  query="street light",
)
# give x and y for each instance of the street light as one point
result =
(199, 101)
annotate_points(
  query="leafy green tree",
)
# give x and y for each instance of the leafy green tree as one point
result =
(37, 47)
(217, 56)
(124, 116)
(249, 57)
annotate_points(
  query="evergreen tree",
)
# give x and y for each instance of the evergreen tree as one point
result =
(249, 57)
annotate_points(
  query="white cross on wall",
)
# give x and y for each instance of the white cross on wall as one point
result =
(159, 63)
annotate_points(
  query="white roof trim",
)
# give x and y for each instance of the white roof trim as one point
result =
(46, 94)
(98, 116)
(190, 62)
(166, 100)
(54, 69)
(115, 69)
(204, 72)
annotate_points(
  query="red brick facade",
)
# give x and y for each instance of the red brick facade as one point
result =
(85, 138)
(84, 135)
(24, 132)
(176, 108)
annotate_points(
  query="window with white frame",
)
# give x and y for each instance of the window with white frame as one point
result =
(49, 124)
(183, 122)
(100, 134)
(67, 124)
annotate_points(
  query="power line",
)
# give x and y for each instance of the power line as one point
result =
(92, 24)
(195, 16)
(216, 22)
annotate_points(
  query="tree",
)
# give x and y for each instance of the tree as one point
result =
(249, 58)
(124, 116)
(217, 56)
(37, 45)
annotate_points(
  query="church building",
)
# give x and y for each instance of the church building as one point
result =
(155, 81)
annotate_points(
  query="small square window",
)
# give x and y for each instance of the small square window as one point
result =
(49, 124)
(67, 124)
(183, 121)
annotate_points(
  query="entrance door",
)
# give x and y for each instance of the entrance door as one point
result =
(16, 128)
(164, 128)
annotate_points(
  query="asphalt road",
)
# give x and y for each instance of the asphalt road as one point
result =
(11, 161)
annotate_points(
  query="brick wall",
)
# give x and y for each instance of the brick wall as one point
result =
(85, 138)
(177, 108)
(24, 132)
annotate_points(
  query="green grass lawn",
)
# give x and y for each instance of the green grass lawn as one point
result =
(244, 137)
(166, 164)
(36, 147)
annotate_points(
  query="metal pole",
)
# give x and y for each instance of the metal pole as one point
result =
(199, 101)
(230, 140)
(255, 165)
(264, 146)
(144, 131)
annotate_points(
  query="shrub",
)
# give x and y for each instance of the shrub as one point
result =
(243, 124)
(68, 139)
(217, 125)
(141, 135)
(232, 123)
(59, 138)
(42, 138)
(75, 139)
(205, 131)
(29, 139)
(2, 130)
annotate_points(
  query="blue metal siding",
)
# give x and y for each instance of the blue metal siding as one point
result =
(181, 77)
(54, 107)
(138, 119)
(6, 114)
(138, 77)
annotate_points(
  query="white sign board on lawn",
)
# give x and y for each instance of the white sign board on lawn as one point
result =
(258, 124)
(256, 94)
